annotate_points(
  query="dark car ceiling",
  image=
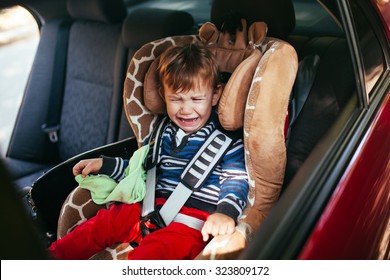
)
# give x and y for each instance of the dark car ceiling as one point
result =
(313, 17)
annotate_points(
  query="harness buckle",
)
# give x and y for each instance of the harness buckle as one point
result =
(151, 223)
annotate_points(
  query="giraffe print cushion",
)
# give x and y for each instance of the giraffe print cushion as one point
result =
(265, 115)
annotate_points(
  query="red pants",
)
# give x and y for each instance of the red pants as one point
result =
(121, 223)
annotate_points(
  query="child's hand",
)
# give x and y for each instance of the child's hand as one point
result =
(87, 166)
(218, 224)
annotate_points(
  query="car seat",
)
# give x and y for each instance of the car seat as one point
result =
(254, 99)
(93, 70)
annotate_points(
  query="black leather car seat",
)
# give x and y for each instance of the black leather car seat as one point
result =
(332, 86)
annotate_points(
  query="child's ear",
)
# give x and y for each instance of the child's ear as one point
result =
(161, 92)
(216, 95)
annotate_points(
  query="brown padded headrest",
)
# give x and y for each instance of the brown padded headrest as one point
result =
(236, 55)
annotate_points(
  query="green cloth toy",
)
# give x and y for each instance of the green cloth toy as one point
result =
(130, 189)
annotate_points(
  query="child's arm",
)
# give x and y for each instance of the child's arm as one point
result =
(113, 167)
(233, 194)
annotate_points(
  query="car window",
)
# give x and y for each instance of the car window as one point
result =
(317, 22)
(370, 47)
(19, 36)
(199, 9)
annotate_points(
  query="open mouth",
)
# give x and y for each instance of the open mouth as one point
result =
(188, 121)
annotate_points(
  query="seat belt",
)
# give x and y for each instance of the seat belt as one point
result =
(151, 166)
(194, 175)
(53, 116)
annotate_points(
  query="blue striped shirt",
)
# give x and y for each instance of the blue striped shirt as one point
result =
(226, 189)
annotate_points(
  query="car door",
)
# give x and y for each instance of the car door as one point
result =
(337, 206)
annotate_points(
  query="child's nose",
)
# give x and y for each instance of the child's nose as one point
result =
(186, 108)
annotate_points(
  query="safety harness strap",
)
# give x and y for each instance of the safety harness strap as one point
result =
(194, 175)
(151, 163)
(189, 221)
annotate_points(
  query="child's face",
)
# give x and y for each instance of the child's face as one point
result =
(191, 110)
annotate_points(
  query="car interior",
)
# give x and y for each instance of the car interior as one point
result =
(83, 56)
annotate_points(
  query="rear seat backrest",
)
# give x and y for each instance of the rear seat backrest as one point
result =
(95, 56)
(93, 82)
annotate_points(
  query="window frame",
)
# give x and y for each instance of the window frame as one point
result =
(366, 95)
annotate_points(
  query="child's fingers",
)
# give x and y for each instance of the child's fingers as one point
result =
(222, 229)
(206, 230)
(231, 229)
(87, 169)
(87, 166)
(206, 236)
(217, 224)
(78, 168)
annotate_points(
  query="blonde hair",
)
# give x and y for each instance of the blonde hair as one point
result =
(180, 67)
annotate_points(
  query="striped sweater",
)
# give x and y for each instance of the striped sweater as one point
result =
(225, 191)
